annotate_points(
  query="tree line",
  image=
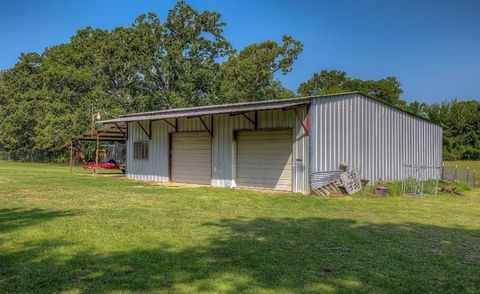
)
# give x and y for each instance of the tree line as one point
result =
(183, 61)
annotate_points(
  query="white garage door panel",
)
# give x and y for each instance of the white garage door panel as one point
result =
(264, 159)
(258, 166)
(191, 157)
(269, 174)
(287, 186)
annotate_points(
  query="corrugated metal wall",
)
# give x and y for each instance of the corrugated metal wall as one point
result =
(223, 146)
(373, 137)
(153, 169)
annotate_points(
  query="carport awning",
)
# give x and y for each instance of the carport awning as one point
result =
(106, 132)
(211, 110)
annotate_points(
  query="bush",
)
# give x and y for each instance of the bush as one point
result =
(465, 153)
(471, 153)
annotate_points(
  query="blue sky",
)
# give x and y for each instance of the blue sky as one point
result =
(433, 47)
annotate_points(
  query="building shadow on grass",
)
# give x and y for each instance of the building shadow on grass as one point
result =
(250, 255)
(14, 218)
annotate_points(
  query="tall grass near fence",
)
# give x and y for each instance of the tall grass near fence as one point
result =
(462, 171)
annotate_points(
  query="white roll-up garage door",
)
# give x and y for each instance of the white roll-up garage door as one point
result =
(191, 157)
(264, 159)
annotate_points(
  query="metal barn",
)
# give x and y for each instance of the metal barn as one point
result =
(277, 144)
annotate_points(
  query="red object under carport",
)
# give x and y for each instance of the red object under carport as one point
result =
(104, 165)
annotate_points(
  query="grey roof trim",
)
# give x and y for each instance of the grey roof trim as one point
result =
(239, 107)
(210, 110)
(266, 102)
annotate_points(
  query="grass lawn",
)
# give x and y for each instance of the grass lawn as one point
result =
(61, 232)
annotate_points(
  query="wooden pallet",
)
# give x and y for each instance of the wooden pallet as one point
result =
(327, 190)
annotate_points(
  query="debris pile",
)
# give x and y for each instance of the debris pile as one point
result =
(450, 190)
(343, 181)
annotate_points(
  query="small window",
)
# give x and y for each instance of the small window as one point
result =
(140, 150)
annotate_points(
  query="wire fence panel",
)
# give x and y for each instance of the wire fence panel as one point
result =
(459, 175)
(420, 180)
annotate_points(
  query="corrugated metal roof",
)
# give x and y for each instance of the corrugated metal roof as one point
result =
(234, 108)
(209, 110)
(107, 131)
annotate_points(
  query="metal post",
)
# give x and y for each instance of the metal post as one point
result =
(468, 174)
(403, 179)
(92, 124)
(442, 176)
(96, 156)
(71, 154)
(474, 178)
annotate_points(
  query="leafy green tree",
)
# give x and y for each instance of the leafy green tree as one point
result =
(461, 127)
(417, 108)
(334, 81)
(180, 67)
(20, 106)
(249, 75)
(47, 98)
(325, 82)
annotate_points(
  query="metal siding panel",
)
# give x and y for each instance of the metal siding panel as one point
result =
(300, 153)
(222, 151)
(372, 137)
(193, 124)
(156, 167)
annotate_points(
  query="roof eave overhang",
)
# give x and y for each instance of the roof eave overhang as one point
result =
(189, 113)
(100, 138)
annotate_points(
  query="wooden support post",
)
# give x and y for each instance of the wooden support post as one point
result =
(71, 154)
(92, 123)
(96, 155)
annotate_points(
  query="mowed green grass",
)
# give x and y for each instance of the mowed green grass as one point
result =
(82, 233)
